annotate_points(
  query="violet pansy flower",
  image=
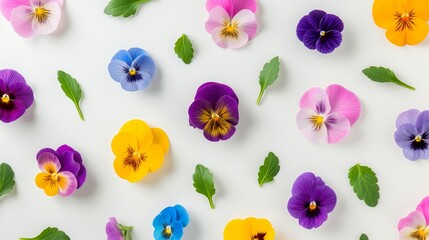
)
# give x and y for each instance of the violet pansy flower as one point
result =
(62, 171)
(412, 134)
(15, 95)
(320, 30)
(215, 111)
(416, 224)
(133, 69)
(116, 231)
(327, 115)
(311, 201)
(231, 23)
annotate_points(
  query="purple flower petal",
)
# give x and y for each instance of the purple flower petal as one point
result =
(315, 17)
(422, 122)
(310, 38)
(21, 92)
(118, 70)
(328, 42)
(213, 91)
(68, 163)
(232, 6)
(405, 135)
(415, 154)
(227, 108)
(306, 183)
(409, 116)
(123, 56)
(145, 64)
(315, 221)
(309, 22)
(136, 52)
(297, 204)
(13, 111)
(112, 230)
(49, 150)
(326, 198)
(331, 22)
(338, 127)
(200, 113)
(68, 185)
(10, 76)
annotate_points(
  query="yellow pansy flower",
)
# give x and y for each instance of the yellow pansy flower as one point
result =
(249, 229)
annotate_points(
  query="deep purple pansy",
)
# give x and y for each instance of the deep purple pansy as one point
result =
(116, 231)
(15, 95)
(215, 111)
(412, 134)
(311, 201)
(320, 30)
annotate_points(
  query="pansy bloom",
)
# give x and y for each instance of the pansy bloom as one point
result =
(412, 134)
(62, 171)
(231, 23)
(116, 231)
(415, 226)
(249, 229)
(32, 17)
(15, 95)
(139, 150)
(311, 201)
(327, 115)
(170, 222)
(133, 69)
(320, 30)
(215, 111)
(405, 20)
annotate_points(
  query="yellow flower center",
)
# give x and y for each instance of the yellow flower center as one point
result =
(215, 116)
(422, 233)
(168, 230)
(404, 20)
(230, 29)
(54, 177)
(317, 121)
(5, 98)
(132, 72)
(133, 159)
(418, 138)
(322, 33)
(41, 14)
(312, 206)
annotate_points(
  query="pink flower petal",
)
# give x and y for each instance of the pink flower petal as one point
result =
(232, 6)
(409, 116)
(247, 22)
(47, 161)
(6, 6)
(316, 99)
(338, 127)
(423, 207)
(21, 19)
(217, 17)
(40, 3)
(305, 125)
(68, 183)
(229, 42)
(51, 23)
(343, 102)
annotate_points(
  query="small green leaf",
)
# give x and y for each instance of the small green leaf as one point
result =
(124, 8)
(364, 183)
(184, 49)
(7, 182)
(50, 233)
(203, 183)
(268, 76)
(269, 169)
(72, 89)
(126, 231)
(363, 237)
(381, 74)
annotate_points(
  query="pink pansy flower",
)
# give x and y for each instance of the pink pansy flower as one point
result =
(32, 17)
(232, 23)
(327, 115)
(415, 226)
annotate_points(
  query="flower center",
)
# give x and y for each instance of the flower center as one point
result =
(215, 116)
(133, 159)
(317, 121)
(41, 14)
(54, 177)
(322, 33)
(5, 98)
(312, 206)
(422, 233)
(404, 20)
(166, 233)
(418, 138)
(259, 236)
(230, 29)
(132, 71)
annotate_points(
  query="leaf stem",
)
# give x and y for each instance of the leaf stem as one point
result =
(261, 93)
(405, 85)
(79, 111)
(211, 203)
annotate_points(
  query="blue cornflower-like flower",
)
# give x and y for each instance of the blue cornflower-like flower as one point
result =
(134, 69)
(170, 222)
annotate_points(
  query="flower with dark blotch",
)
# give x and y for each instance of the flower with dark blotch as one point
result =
(15, 95)
(311, 201)
(412, 134)
(215, 111)
(170, 222)
(249, 229)
(133, 69)
(320, 30)
(415, 226)
(116, 231)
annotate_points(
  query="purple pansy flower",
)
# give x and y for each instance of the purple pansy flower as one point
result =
(311, 201)
(321, 31)
(412, 134)
(15, 95)
(134, 69)
(116, 231)
(215, 111)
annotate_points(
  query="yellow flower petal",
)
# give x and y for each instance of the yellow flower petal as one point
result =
(40, 180)
(121, 170)
(160, 138)
(420, 8)
(140, 130)
(396, 37)
(236, 230)
(419, 32)
(154, 157)
(383, 12)
(138, 175)
(43, 181)
(261, 226)
(123, 142)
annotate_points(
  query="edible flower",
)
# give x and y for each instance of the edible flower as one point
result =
(116, 231)
(170, 222)
(249, 229)
(415, 226)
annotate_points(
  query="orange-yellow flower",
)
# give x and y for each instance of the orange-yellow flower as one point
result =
(405, 20)
(249, 229)
(138, 150)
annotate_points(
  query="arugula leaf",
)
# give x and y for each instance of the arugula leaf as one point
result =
(125, 8)
(50, 233)
(268, 76)
(203, 183)
(183, 48)
(7, 182)
(269, 169)
(72, 89)
(363, 237)
(364, 183)
(381, 74)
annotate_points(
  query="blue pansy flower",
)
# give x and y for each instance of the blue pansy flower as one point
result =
(170, 222)
(134, 69)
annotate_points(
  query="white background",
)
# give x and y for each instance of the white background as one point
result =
(83, 47)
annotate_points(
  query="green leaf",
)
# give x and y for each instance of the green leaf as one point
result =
(125, 8)
(381, 74)
(7, 182)
(363, 237)
(126, 231)
(364, 183)
(183, 49)
(50, 233)
(72, 89)
(268, 76)
(203, 183)
(269, 169)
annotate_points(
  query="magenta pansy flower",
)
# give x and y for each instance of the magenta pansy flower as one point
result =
(215, 111)
(415, 226)
(116, 231)
(15, 95)
(32, 17)
(327, 115)
(62, 171)
(232, 23)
